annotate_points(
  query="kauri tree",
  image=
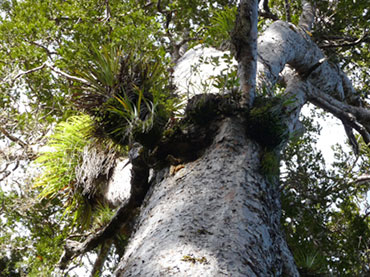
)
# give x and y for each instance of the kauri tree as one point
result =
(88, 84)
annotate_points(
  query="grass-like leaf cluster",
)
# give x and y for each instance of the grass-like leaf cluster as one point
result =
(126, 93)
(221, 25)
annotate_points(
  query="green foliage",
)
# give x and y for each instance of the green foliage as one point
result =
(8, 265)
(102, 71)
(220, 27)
(32, 234)
(228, 79)
(310, 262)
(343, 22)
(62, 156)
(270, 165)
(204, 108)
(278, 7)
(127, 96)
(265, 121)
(103, 214)
(122, 50)
(324, 224)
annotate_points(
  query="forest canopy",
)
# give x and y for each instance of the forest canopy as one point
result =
(86, 80)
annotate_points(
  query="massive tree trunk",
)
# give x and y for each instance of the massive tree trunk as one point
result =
(215, 216)
(218, 215)
(216, 210)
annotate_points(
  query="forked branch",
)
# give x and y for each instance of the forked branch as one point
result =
(351, 116)
(21, 73)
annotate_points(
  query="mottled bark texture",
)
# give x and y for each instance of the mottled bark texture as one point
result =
(213, 212)
(216, 216)
(244, 40)
(286, 52)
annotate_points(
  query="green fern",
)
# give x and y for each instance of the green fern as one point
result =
(63, 153)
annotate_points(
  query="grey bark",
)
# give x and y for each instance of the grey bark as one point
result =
(217, 216)
(324, 84)
(244, 39)
(284, 44)
(307, 17)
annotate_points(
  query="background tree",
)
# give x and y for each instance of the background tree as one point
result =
(215, 182)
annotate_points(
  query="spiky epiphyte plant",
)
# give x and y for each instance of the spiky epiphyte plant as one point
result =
(126, 94)
(310, 262)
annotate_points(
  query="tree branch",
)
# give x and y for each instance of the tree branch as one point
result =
(283, 43)
(13, 138)
(107, 11)
(30, 154)
(68, 76)
(102, 256)
(122, 217)
(307, 17)
(244, 39)
(326, 85)
(343, 111)
(21, 72)
(287, 11)
(363, 178)
(346, 43)
(48, 52)
(46, 64)
(266, 12)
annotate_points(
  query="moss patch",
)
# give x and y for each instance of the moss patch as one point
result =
(265, 122)
(270, 165)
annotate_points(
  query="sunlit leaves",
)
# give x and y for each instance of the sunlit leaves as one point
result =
(90, 38)
(62, 155)
(322, 217)
(220, 27)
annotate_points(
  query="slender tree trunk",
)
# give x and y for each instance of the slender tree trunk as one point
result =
(216, 216)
